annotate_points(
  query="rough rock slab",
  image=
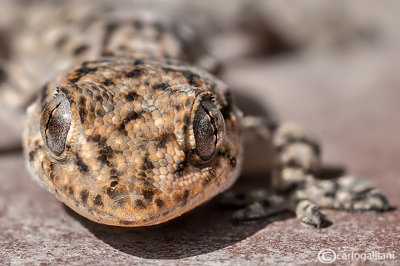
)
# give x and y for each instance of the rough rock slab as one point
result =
(349, 98)
(358, 122)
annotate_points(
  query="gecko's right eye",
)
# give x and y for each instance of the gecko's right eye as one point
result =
(55, 123)
(208, 129)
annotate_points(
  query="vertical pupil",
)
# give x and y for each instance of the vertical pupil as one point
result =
(55, 123)
(208, 127)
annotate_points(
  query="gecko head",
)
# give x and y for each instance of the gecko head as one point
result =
(134, 144)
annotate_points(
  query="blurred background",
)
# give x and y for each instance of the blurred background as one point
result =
(331, 66)
(306, 61)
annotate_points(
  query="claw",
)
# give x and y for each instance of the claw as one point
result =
(355, 194)
(234, 199)
(257, 211)
(373, 200)
(309, 214)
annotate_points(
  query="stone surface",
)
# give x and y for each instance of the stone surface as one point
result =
(348, 96)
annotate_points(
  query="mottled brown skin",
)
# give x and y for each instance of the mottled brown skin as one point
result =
(130, 157)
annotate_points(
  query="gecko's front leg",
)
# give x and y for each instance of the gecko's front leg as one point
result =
(295, 176)
(297, 170)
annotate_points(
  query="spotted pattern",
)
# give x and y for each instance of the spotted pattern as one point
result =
(130, 156)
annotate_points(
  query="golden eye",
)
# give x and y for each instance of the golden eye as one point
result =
(208, 129)
(55, 123)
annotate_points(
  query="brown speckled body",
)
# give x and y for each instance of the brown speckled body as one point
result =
(130, 155)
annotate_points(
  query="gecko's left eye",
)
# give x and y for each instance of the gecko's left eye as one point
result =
(55, 123)
(208, 129)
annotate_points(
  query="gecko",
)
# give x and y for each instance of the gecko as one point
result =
(138, 130)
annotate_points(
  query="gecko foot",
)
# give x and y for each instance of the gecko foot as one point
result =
(309, 214)
(345, 193)
(255, 205)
